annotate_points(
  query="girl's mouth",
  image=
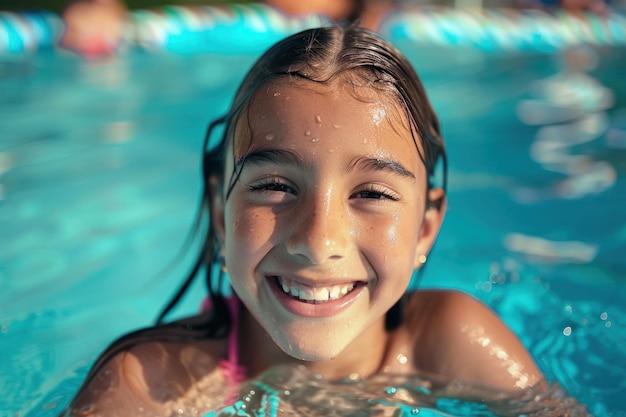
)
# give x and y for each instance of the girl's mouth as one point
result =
(314, 295)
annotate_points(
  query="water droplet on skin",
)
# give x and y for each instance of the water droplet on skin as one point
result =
(276, 94)
(331, 150)
(263, 117)
(307, 133)
(269, 136)
(336, 126)
(318, 119)
(378, 114)
(287, 392)
(315, 140)
(402, 359)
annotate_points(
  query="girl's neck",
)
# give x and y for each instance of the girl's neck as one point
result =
(363, 357)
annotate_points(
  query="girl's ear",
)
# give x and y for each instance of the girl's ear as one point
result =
(433, 218)
(216, 205)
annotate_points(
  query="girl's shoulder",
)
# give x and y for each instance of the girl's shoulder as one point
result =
(448, 305)
(459, 337)
(154, 371)
(433, 310)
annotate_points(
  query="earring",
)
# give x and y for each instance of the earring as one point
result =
(422, 259)
(223, 267)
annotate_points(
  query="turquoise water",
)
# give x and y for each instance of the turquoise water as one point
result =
(99, 183)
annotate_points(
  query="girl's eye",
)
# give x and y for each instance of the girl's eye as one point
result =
(377, 193)
(273, 185)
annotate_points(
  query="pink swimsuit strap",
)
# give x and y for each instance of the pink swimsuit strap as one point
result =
(232, 371)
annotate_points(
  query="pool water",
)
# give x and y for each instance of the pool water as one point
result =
(99, 182)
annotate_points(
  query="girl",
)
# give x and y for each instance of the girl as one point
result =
(323, 202)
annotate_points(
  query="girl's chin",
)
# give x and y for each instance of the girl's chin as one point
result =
(312, 347)
(312, 356)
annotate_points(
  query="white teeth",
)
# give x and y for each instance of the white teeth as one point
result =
(322, 294)
(311, 294)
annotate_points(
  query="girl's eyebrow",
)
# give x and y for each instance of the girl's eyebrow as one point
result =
(271, 156)
(292, 158)
(381, 164)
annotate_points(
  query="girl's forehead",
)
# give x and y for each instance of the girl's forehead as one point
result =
(310, 118)
(288, 105)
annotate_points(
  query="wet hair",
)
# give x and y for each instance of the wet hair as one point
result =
(321, 56)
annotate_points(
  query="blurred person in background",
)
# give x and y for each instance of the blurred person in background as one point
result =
(95, 28)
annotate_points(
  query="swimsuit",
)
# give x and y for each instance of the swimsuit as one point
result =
(231, 370)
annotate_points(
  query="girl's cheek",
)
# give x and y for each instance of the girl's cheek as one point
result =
(251, 229)
(392, 231)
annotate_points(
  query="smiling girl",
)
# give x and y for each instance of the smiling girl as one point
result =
(323, 203)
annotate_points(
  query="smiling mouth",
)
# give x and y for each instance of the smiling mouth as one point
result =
(314, 295)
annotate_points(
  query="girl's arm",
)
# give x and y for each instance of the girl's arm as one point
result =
(152, 377)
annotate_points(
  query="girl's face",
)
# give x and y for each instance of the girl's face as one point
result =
(326, 222)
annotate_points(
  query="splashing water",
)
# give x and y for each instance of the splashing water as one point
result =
(293, 391)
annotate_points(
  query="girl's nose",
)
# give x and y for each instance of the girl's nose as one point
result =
(321, 230)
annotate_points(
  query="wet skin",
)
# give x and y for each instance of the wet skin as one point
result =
(331, 196)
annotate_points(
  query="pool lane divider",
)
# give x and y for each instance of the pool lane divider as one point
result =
(231, 29)
(505, 29)
(251, 28)
(28, 31)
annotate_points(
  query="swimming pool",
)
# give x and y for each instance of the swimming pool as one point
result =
(99, 183)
